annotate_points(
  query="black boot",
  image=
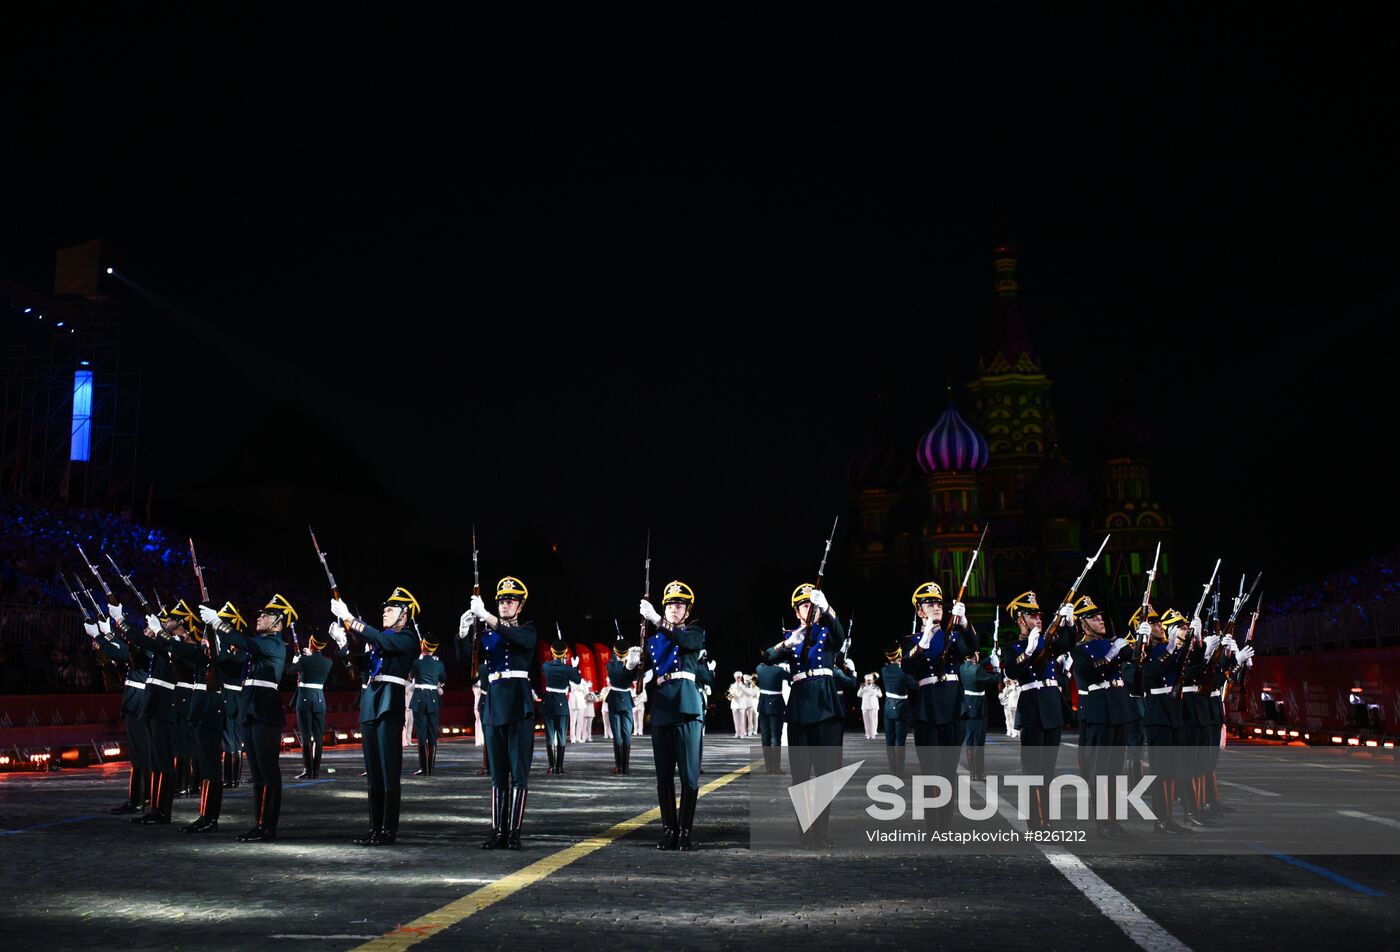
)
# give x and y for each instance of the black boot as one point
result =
(422, 760)
(485, 761)
(316, 762)
(392, 799)
(496, 839)
(158, 784)
(559, 758)
(376, 819)
(259, 804)
(549, 751)
(432, 758)
(238, 768)
(617, 758)
(518, 796)
(227, 761)
(670, 824)
(899, 760)
(889, 759)
(626, 758)
(687, 817)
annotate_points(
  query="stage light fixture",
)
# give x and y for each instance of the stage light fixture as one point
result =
(109, 270)
(60, 323)
(28, 309)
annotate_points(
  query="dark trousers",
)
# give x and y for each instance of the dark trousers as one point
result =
(209, 754)
(263, 743)
(815, 750)
(975, 740)
(1040, 747)
(556, 730)
(621, 724)
(896, 731)
(233, 737)
(382, 743)
(138, 742)
(676, 748)
(425, 727)
(937, 747)
(511, 748)
(312, 727)
(770, 728)
(162, 748)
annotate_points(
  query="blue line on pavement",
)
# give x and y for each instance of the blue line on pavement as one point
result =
(1325, 873)
(42, 826)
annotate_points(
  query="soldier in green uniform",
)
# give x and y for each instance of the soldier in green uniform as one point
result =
(138, 738)
(618, 699)
(313, 669)
(391, 654)
(507, 647)
(978, 677)
(209, 716)
(262, 706)
(672, 654)
(233, 668)
(428, 675)
(899, 686)
(705, 677)
(557, 673)
(772, 710)
(160, 713)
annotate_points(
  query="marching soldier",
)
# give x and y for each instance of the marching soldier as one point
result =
(427, 674)
(382, 706)
(1195, 727)
(1135, 738)
(978, 677)
(313, 669)
(932, 658)
(815, 712)
(208, 715)
(1039, 712)
(558, 673)
(138, 738)
(233, 668)
(898, 688)
(672, 654)
(772, 710)
(160, 713)
(1236, 657)
(1164, 711)
(705, 677)
(507, 646)
(618, 698)
(262, 706)
(1106, 712)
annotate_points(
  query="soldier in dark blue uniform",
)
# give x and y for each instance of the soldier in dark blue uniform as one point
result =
(262, 706)
(932, 657)
(233, 668)
(557, 673)
(313, 669)
(1105, 709)
(1235, 656)
(138, 738)
(978, 678)
(705, 678)
(1133, 681)
(815, 711)
(618, 698)
(160, 711)
(183, 732)
(382, 707)
(772, 711)
(208, 716)
(1196, 733)
(1030, 662)
(1164, 712)
(428, 675)
(506, 647)
(672, 653)
(899, 687)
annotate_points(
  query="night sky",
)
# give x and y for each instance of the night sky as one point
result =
(571, 276)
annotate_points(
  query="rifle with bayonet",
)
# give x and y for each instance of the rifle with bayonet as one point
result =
(111, 599)
(646, 593)
(816, 586)
(126, 580)
(476, 593)
(1139, 684)
(962, 589)
(212, 677)
(87, 618)
(1213, 667)
(1248, 639)
(1189, 640)
(1047, 638)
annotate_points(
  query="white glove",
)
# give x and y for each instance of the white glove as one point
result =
(91, 629)
(1176, 634)
(339, 610)
(786, 667)
(1067, 614)
(574, 661)
(712, 665)
(646, 678)
(996, 660)
(153, 624)
(633, 658)
(1066, 662)
(479, 608)
(819, 600)
(1229, 643)
(1195, 628)
(1245, 654)
(1145, 630)
(1033, 640)
(794, 638)
(1118, 645)
(850, 666)
(208, 615)
(649, 613)
(464, 624)
(116, 612)
(959, 612)
(337, 633)
(927, 638)
(1212, 642)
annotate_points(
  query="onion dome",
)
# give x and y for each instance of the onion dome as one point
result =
(952, 444)
(1055, 493)
(876, 465)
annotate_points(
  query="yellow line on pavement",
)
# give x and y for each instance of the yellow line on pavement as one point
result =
(425, 927)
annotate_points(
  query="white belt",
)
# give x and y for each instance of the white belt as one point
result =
(1115, 683)
(1033, 685)
(186, 684)
(936, 678)
(161, 684)
(557, 690)
(682, 675)
(766, 691)
(497, 676)
(1164, 690)
(814, 673)
(138, 685)
(974, 693)
(254, 683)
(393, 680)
(198, 687)
(314, 687)
(1215, 694)
(233, 687)
(1191, 689)
(897, 697)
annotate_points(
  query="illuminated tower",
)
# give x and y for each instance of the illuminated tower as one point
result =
(951, 454)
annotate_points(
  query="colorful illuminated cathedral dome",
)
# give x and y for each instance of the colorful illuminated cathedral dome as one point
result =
(951, 445)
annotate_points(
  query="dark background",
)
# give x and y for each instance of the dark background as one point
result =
(575, 275)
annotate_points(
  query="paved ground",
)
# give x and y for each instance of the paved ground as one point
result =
(79, 878)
